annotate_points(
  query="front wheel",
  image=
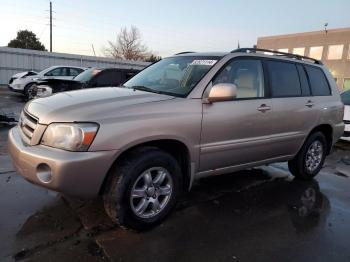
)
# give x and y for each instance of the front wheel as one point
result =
(310, 159)
(143, 188)
(27, 89)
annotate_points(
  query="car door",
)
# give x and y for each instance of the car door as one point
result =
(57, 73)
(294, 113)
(236, 132)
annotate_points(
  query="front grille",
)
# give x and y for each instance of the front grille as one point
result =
(347, 122)
(27, 124)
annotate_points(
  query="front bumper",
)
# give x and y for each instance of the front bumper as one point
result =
(14, 90)
(78, 174)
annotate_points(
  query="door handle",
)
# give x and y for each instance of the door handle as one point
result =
(309, 104)
(263, 108)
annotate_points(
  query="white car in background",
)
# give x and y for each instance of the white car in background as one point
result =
(22, 82)
(346, 100)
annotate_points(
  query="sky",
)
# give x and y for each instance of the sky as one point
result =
(167, 27)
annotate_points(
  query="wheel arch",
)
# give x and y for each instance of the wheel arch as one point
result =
(178, 149)
(29, 84)
(327, 130)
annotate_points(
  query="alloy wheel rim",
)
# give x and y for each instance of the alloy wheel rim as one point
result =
(151, 192)
(314, 156)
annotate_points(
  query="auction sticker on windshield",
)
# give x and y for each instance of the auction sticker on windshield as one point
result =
(204, 62)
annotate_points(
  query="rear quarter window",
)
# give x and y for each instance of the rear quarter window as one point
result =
(284, 79)
(318, 81)
(305, 88)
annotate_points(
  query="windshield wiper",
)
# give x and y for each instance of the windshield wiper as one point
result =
(145, 88)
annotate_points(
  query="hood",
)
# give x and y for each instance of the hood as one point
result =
(86, 105)
(26, 73)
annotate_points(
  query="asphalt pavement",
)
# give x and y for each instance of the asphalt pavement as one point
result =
(260, 214)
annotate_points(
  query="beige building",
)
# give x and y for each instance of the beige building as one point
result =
(332, 47)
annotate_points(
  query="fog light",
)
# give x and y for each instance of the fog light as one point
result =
(43, 172)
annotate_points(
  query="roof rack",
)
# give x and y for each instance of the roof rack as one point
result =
(278, 53)
(187, 52)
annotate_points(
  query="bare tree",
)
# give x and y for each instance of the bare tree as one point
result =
(128, 45)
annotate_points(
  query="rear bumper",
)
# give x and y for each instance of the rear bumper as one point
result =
(346, 135)
(78, 174)
(338, 131)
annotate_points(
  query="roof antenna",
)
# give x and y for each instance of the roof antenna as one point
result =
(325, 27)
(238, 47)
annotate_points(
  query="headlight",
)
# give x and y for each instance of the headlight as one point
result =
(43, 91)
(36, 78)
(70, 136)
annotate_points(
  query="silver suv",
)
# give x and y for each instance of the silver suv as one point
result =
(185, 117)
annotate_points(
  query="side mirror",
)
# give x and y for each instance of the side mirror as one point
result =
(222, 92)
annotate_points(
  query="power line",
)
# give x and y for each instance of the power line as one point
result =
(45, 26)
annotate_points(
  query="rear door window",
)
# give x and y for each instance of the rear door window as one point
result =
(284, 79)
(318, 81)
(74, 71)
(65, 71)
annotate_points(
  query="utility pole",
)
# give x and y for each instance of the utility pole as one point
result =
(50, 26)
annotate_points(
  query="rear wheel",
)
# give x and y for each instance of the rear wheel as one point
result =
(309, 161)
(143, 188)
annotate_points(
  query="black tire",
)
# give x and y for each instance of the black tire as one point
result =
(123, 177)
(298, 165)
(26, 89)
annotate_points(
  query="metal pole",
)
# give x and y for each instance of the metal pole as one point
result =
(93, 49)
(50, 26)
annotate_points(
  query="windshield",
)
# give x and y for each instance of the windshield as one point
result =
(86, 75)
(175, 76)
(345, 97)
(42, 72)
